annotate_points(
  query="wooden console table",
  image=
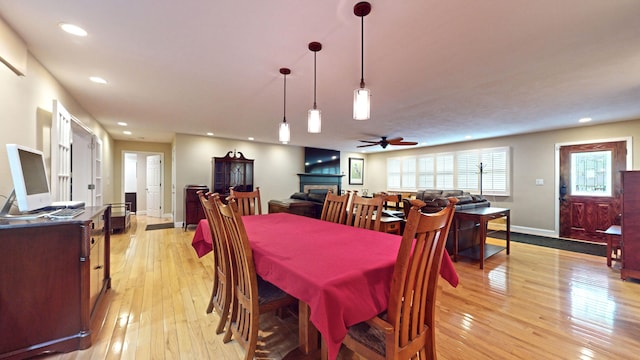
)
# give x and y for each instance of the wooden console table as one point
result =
(53, 274)
(481, 216)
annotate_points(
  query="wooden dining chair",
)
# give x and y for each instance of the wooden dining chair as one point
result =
(391, 201)
(365, 212)
(335, 208)
(248, 201)
(221, 292)
(252, 296)
(406, 329)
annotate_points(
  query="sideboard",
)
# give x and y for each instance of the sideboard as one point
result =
(53, 275)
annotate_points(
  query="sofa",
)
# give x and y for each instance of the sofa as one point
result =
(306, 204)
(436, 200)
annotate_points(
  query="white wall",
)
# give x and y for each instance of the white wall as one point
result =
(25, 118)
(533, 207)
(275, 166)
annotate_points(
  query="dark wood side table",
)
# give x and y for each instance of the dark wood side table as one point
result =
(614, 232)
(481, 216)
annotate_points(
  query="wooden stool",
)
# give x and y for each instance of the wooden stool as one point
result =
(613, 243)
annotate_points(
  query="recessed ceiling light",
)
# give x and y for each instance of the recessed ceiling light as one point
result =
(98, 80)
(73, 29)
(122, 123)
(584, 120)
(250, 138)
(423, 143)
(210, 134)
(468, 137)
(127, 132)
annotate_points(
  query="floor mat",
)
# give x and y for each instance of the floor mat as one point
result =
(159, 226)
(561, 244)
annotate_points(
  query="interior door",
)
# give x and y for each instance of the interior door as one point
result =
(590, 188)
(154, 185)
(60, 153)
(81, 165)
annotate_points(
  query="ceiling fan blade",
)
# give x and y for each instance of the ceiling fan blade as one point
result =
(394, 140)
(405, 143)
(374, 144)
(370, 142)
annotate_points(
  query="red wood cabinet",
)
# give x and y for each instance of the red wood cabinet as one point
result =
(53, 274)
(630, 225)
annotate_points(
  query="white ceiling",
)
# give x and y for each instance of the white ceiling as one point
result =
(438, 70)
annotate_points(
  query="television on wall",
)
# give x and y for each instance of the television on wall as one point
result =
(321, 161)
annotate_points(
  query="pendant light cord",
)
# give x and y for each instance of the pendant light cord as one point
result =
(314, 80)
(284, 108)
(362, 53)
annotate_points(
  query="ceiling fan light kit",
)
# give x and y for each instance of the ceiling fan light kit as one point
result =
(384, 142)
(362, 95)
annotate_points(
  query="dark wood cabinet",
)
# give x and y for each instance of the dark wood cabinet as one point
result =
(232, 170)
(53, 274)
(630, 225)
(193, 211)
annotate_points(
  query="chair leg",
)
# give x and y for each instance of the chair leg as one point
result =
(213, 295)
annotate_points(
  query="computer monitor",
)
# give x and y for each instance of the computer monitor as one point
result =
(29, 174)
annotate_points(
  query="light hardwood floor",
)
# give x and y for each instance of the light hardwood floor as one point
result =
(536, 303)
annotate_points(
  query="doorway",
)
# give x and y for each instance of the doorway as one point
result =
(142, 174)
(589, 188)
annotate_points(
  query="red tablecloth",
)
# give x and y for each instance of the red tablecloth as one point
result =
(343, 273)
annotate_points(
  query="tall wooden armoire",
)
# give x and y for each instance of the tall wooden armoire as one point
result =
(630, 225)
(232, 170)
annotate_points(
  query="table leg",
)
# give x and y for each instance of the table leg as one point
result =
(307, 332)
(456, 223)
(508, 232)
(483, 240)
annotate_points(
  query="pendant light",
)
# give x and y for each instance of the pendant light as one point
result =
(314, 119)
(284, 135)
(362, 95)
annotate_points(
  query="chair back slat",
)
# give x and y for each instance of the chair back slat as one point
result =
(248, 202)
(335, 208)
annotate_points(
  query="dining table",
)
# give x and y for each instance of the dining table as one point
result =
(340, 274)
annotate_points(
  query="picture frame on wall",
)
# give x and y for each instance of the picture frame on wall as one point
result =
(356, 171)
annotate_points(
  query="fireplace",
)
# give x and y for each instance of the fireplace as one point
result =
(320, 182)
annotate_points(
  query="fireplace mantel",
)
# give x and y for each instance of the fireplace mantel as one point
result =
(320, 179)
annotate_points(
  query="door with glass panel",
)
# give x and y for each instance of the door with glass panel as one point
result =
(590, 187)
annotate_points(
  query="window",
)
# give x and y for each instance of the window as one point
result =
(444, 171)
(591, 173)
(481, 171)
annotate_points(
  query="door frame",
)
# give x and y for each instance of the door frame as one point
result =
(629, 160)
(162, 171)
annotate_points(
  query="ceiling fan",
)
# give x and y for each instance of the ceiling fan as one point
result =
(383, 142)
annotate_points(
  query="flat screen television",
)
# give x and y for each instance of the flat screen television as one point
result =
(321, 161)
(29, 175)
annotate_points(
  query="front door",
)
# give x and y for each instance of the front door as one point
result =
(590, 188)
